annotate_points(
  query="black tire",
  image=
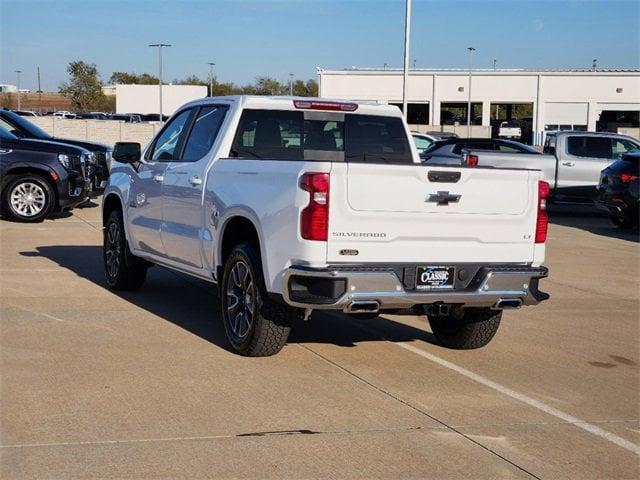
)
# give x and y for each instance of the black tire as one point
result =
(124, 271)
(625, 223)
(474, 328)
(28, 198)
(255, 325)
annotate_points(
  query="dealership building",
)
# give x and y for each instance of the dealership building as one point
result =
(541, 100)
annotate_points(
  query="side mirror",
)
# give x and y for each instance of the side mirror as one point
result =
(126, 152)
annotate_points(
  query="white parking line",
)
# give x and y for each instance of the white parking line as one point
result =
(621, 442)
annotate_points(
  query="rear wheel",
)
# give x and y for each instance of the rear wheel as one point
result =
(466, 329)
(124, 270)
(255, 325)
(29, 198)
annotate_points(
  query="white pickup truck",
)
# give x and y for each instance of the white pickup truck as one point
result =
(293, 205)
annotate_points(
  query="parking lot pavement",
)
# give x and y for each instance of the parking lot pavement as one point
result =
(143, 385)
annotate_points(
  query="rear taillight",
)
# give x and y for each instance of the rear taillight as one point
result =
(319, 105)
(542, 222)
(472, 160)
(627, 177)
(314, 219)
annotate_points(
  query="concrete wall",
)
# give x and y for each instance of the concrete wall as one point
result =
(102, 131)
(146, 98)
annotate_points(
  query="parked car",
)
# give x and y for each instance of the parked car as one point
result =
(618, 190)
(450, 151)
(38, 177)
(126, 117)
(581, 156)
(64, 114)
(510, 129)
(97, 167)
(92, 116)
(442, 135)
(422, 141)
(152, 117)
(342, 216)
(26, 113)
(571, 161)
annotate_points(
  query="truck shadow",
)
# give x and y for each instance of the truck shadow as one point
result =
(193, 305)
(588, 218)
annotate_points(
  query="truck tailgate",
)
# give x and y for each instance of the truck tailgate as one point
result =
(404, 214)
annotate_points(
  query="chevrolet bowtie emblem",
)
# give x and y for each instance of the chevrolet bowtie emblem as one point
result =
(443, 198)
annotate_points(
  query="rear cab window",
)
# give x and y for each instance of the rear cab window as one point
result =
(320, 136)
(550, 145)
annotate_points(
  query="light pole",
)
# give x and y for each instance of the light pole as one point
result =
(160, 45)
(291, 84)
(18, 72)
(405, 78)
(494, 64)
(211, 65)
(471, 50)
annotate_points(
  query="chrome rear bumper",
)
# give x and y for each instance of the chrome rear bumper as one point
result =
(372, 290)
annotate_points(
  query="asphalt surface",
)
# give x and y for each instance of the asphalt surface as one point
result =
(143, 385)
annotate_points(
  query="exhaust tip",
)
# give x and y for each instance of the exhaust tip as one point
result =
(505, 303)
(363, 307)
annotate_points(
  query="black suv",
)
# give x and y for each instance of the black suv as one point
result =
(618, 190)
(38, 177)
(97, 164)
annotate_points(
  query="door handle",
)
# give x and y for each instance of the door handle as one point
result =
(3, 151)
(195, 181)
(569, 164)
(158, 178)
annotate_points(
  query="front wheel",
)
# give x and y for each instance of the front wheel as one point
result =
(624, 222)
(466, 329)
(29, 198)
(255, 325)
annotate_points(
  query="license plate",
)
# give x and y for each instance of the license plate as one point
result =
(435, 277)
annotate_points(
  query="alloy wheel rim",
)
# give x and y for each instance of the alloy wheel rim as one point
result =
(241, 300)
(112, 252)
(28, 199)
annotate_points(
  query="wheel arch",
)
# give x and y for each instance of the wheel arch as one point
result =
(28, 169)
(236, 229)
(110, 203)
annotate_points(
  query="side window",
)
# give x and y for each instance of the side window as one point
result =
(9, 128)
(589, 146)
(481, 146)
(203, 133)
(165, 148)
(508, 148)
(422, 143)
(269, 134)
(622, 146)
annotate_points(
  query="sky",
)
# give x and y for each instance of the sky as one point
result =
(249, 38)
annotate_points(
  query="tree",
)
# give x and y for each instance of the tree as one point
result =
(84, 87)
(269, 86)
(191, 80)
(305, 89)
(126, 78)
